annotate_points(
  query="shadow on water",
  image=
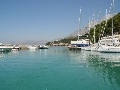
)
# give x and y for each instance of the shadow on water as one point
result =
(107, 64)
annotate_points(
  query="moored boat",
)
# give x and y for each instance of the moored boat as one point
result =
(114, 43)
(43, 47)
(32, 47)
(81, 43)
(15, 48)
(109, 49)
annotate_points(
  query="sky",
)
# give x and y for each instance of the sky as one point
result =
(22, 20)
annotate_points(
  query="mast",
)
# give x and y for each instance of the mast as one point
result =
(79, 24)
(112, 19)
(89, 31)
(94, 26)
(106, 25)
(100, 23)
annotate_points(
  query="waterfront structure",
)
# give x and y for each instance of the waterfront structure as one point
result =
(4, 48)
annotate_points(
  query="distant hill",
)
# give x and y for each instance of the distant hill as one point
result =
(30, 42)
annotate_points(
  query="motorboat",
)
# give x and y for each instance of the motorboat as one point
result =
(32, 47)
(15, 48)
(81, 43)
(43, 47)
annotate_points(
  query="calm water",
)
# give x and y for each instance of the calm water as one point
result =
(57, 68)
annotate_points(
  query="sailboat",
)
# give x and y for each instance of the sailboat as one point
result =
(114, 46)
(89, 47)
(105, 44)
(81, 43)
(94, 46)
(109, 49)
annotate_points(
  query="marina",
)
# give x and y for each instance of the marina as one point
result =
(105, 43)
(37, 52)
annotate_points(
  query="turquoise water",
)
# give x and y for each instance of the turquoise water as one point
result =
(57, 68)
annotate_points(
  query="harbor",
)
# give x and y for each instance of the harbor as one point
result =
(59, 45)
(106, 43)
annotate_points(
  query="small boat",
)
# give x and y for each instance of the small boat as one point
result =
(15, 48)
(43, 47)
(32, 47)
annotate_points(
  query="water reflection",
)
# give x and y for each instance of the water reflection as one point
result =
(107, 64)
(3, 54)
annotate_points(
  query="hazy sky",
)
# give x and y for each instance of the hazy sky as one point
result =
(22, 20)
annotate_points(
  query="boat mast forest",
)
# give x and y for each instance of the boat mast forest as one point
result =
(98, 30)
(107, 31)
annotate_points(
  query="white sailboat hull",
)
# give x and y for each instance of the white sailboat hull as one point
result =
(88, 48)
(94, 48)
(109, 49)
